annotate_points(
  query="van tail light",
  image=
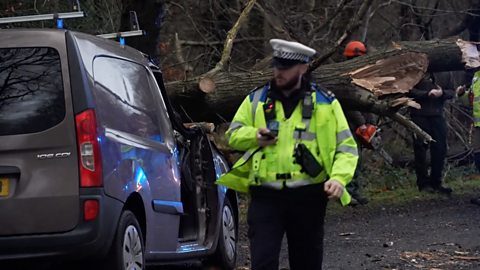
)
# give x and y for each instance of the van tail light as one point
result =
(88, 149)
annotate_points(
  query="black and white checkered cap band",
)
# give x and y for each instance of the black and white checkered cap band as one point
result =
(291, 56)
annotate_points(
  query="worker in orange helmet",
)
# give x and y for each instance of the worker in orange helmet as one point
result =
(358, 123)
(354, 48)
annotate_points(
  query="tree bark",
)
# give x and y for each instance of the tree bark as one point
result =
(232, 88)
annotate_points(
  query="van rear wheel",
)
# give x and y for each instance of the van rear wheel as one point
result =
(127, 251)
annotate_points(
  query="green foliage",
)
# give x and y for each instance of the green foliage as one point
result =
(398, 185)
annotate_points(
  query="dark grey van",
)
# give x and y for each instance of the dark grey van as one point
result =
(94, 164)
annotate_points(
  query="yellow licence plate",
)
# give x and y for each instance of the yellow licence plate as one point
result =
(3, 187)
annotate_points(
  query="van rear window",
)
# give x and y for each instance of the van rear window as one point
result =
(31, 90)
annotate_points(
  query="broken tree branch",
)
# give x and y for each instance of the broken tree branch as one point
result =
(179, 53)
(275, 23)
(352, 25)
(411, 126)
(231, 35)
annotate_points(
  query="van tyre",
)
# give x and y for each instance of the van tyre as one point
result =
(225, 256)
(128, 248)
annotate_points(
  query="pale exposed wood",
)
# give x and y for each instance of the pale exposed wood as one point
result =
(396, 74)
(207, 85)
(470, 54)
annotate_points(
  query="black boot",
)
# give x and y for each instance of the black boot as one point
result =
(357, 197)
(426, 188)
(443, 189)
(475, 201)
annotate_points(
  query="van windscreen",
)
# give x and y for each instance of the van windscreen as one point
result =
(31, 90)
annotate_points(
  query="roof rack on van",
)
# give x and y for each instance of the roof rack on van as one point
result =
(134, 30)
(42, 17)
(78, 13)
(58, 17)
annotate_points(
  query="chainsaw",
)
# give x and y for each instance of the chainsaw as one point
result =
(370, 138)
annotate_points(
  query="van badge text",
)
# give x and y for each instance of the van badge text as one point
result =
(54, 155)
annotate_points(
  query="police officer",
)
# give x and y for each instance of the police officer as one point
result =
(474, 93)
(299, 153)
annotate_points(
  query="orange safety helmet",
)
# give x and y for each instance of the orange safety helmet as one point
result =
(355, 48)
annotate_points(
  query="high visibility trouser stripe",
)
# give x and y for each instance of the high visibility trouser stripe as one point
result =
(347, 149)
(298, 183)
(343, 135)
(303, 135)
(290, 184)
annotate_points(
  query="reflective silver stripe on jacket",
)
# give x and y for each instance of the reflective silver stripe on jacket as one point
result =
(303, 135)
(347, 149)
(246, 156)
(306, 121)
(343, 135)
(235, 125)
(256, 98)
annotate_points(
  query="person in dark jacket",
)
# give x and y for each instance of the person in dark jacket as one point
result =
(430, 118)
(357, 120)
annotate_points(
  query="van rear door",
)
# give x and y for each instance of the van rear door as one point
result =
(39, 182)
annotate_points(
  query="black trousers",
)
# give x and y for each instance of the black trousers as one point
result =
(298, 212)
(437, 128)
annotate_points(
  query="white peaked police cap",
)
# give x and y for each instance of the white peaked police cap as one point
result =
(291, 50)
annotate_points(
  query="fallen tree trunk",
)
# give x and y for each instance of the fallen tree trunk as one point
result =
(231, 88)
(375, 83)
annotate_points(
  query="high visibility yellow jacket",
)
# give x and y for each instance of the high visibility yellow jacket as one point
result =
(327, 136)
(476, 98)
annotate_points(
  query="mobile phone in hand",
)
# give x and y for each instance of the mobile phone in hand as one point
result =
(269, 135)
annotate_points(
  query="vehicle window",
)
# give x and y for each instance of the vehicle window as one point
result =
(165, 123)
(31, 90)
(124, 99)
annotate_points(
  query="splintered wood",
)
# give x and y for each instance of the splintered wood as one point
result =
(397, 74)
